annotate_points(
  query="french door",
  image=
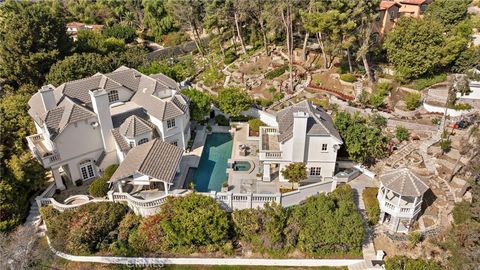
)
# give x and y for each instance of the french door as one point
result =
(87, 170)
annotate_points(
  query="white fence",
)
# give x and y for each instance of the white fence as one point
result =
(228, 200)
(450, 112)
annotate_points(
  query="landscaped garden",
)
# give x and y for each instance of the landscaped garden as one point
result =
(325, 226)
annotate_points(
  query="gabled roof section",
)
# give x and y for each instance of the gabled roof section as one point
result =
(78, 90)
(120, 140)
(319, 122)
(170, 106)
(66, 113)
(135, 126)
(404, 182)
(156, 159)
(384, 5)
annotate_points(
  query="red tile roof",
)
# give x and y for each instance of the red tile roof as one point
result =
(75, 24)
(387, 4)
(413, 2)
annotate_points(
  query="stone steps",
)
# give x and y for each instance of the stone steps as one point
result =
(364, 265)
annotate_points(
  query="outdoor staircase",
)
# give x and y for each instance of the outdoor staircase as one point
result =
(402, 153)
(33, 217)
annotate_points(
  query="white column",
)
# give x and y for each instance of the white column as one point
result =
(166, 187)
(58, 178)
(119, 185)
(266, 172)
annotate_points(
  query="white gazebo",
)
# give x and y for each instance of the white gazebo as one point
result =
(400, 198)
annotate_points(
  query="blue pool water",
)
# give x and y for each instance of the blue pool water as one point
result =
(211, 172)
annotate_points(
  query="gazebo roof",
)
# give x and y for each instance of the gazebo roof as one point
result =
(404, 182)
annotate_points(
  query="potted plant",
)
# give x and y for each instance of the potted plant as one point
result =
(209, 129)
(225, 186)
(259, 176)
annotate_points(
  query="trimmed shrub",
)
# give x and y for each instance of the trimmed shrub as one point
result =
(406, 263)
(460, 106)
(276, 72)
(221, 120)
(241, 118)
(402, 133)
(371, 204)
(422, 83)
(412, 100)
(99, 187)
(348, 77)
(255, 124)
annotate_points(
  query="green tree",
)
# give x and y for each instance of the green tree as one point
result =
(93, 42)
(363, 141)
(200, 103)
(33, 37)
(419, 47)
(119, 31)
(20, 174)
(99, 187)
(402, 133)
(233, 100)
(295, 172)
(77, 66)
(193, 221)
(448, 12)
(158, 18)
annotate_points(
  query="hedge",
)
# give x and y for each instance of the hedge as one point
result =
(371, 204)
(221, 120)
(99, 187)
(348, 77)
(276, 72)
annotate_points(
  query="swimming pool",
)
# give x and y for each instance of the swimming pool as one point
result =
(212, 168)
(241, 166)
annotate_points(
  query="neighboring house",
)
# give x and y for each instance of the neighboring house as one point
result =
(400, 198)
(390, 10)
(74, 27)
(304, 133)
(152, 164)
(413, 8)
(388, 13)
(85, 125)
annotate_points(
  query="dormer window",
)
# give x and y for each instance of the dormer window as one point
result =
(132, 144)
(113, 96)
(142, 141)
(171, 123)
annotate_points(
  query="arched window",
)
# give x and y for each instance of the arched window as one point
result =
(142, 141)
(113, 96)
(86, 169)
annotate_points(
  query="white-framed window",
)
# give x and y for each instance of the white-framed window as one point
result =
(324, 147)
(171, 123)
(132, 144)
(315, 171)
(113, 96)
(142, 141)
(174, 143)
(86, 169)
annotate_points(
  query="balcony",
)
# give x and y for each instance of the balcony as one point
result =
(269, 146)
(38, 147)
(399, 206)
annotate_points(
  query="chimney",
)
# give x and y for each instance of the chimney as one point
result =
(300, 120)
(101, 107)
(48, 99)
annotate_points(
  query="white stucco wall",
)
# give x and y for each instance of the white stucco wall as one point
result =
(175, 133)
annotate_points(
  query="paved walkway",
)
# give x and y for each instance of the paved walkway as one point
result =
(33, 217)
(358, 185)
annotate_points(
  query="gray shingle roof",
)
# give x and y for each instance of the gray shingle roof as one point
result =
(319, 122)
(66, 113)
(404, 182)
(162, 109)
(120, 140)
(135, 126)
(155, 159)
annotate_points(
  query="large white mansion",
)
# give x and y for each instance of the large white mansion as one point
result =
(85, 125)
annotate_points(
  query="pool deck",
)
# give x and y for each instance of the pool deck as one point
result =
(192, 158)
(246, 181)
